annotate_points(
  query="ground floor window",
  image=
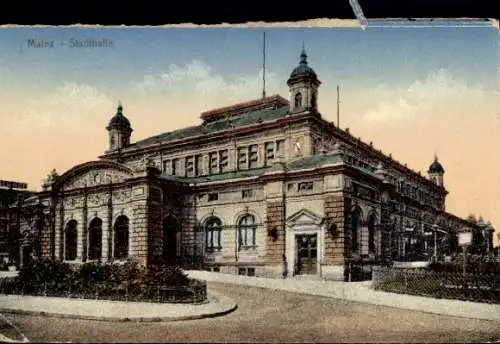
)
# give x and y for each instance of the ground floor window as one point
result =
(121, 237)
(247, 232)
(70, 238)
(95, 239)
(213, 229)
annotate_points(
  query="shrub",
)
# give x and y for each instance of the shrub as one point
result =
(41, 271)
(166, 276)
(107, 281)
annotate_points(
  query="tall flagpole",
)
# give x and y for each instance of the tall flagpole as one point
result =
(264, 66)
(338, 108)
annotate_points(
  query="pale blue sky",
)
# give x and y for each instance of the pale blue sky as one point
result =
(350, 56)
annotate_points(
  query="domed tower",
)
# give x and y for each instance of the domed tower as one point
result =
(119, 130)
(436, 172)
(303, 84)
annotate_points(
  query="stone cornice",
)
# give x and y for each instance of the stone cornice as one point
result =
(377, 154)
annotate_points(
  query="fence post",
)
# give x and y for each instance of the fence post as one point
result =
(126, 291)
(158, 292)
(44, 288)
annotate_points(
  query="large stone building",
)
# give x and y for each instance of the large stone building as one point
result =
(267, 188)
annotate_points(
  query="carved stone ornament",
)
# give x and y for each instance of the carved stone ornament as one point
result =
(325, 145)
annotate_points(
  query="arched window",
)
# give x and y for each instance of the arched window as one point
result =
(355, 226)
(314, 100)
(70, 235)
(246, 231)
(213, 229)
(371, 233)
(95, 239)
(298, 100)
(121, 237)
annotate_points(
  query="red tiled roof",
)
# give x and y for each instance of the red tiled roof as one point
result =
(249, 105)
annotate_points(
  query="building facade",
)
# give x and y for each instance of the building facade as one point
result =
(266, 187)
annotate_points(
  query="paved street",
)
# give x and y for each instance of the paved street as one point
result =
(265, 315)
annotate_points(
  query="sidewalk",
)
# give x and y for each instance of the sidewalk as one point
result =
(360, 292)
(115, 310)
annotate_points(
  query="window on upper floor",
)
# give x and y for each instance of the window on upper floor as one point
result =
(224, 161)
(175, 163)
(253, 156)
(190, 166)
(213, 197)
(166, 166)
(269, 152)
(280, 148)
(305, 186)
(247, 193)
(242, 158)
(214, 162)
(199, 165)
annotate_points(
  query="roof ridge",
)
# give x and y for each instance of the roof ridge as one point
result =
(247, 105)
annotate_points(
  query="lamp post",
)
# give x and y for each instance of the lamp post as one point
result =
(435, 228)
(464, 240)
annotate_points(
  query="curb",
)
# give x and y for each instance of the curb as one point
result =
(228, 306)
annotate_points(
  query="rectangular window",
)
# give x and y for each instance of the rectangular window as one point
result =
(224, 161)
(248, 193)
(175, 162)
(242, 158)
(190, 166)
(280, 148)
(306, 186)
(166, 166)
(291, 186)
(242, 271)
(214, 163)
(250, 271)
(253, 156)
(269, 152)
(213, 197)
(199, 165)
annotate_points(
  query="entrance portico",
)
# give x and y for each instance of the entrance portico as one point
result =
(304, 240)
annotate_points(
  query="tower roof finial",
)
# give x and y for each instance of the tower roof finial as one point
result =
(120, 107)
(303, 55)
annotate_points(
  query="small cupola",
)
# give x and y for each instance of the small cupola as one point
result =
(303, 85)
(119, 129)
(436, 172)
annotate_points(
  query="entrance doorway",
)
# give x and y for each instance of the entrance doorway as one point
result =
(170, 229)
(307, 254)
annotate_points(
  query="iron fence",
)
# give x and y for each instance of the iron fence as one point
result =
(446, 285)
(195, 293)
